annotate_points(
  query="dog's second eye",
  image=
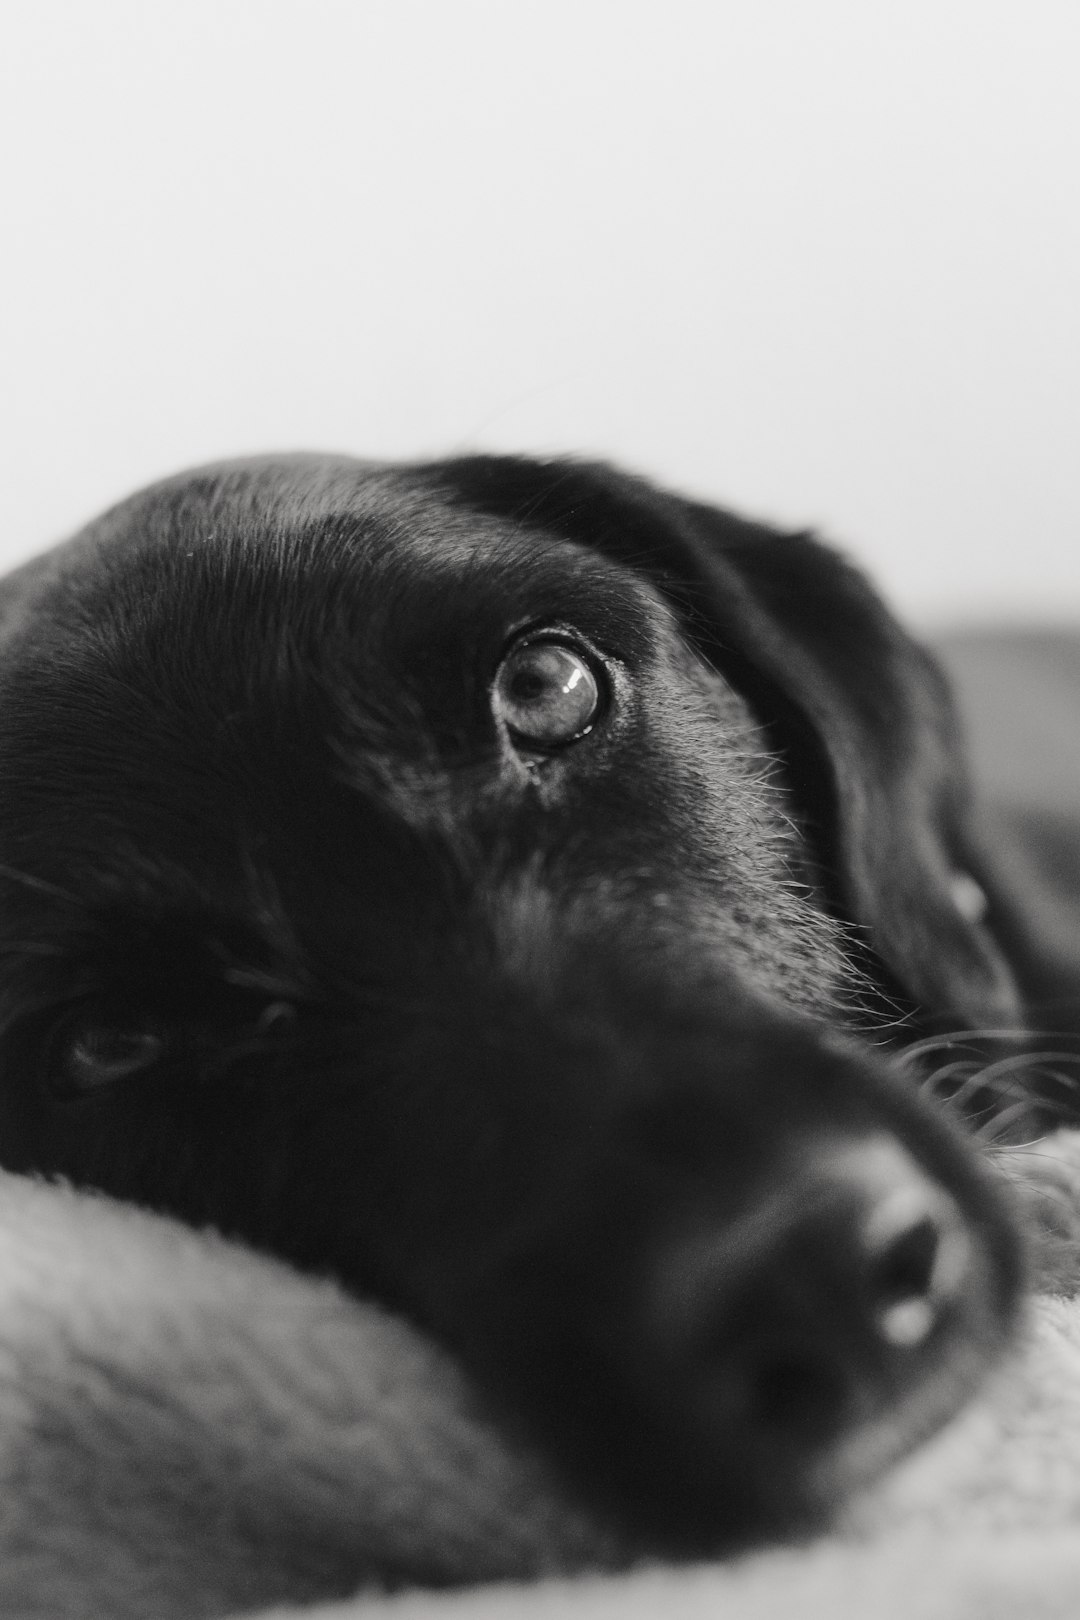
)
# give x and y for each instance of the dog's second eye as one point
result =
(546, 694)
(98, 1055)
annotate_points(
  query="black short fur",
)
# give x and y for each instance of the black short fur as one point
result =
(572, 1055)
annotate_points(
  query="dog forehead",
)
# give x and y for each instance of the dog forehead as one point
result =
(314, 543)
(297, 600)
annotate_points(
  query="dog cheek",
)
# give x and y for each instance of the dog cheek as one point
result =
(732, 893)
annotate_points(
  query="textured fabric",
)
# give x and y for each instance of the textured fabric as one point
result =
(188, 1429)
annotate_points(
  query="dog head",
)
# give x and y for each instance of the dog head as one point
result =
(471, 879)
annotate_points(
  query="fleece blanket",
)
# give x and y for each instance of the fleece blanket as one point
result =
(190, 1429)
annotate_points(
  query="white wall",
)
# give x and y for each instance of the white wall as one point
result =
(819, 260)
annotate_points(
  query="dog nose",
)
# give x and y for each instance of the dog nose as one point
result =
(809, 1334)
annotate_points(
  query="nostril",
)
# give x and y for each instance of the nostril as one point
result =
(901, 1286)
(916, 1255)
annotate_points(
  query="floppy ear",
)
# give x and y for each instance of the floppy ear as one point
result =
(887, 739)
(861, 714)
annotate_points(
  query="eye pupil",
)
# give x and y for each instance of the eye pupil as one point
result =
(527, 686)
(546, 693)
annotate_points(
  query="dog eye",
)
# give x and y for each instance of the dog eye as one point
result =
(546, 694)
(98, 1055)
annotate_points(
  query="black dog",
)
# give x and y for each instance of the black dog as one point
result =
(498, 884)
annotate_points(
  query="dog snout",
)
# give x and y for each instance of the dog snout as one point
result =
(819, 1336)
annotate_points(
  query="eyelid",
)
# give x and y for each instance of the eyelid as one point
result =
(603, 666)
(560, 630)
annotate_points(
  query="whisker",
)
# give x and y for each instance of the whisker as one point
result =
(40, 885)
(1026, 1084)
(966, 1039)
(995, 1128)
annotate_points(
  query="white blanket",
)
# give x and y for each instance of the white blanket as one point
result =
(189, 1429)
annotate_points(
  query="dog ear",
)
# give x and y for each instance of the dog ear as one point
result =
(874, 735)
(860, 713)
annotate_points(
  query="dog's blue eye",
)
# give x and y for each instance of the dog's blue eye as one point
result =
(546, 694)
(98, 1055)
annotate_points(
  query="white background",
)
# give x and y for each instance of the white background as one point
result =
(820, 261)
